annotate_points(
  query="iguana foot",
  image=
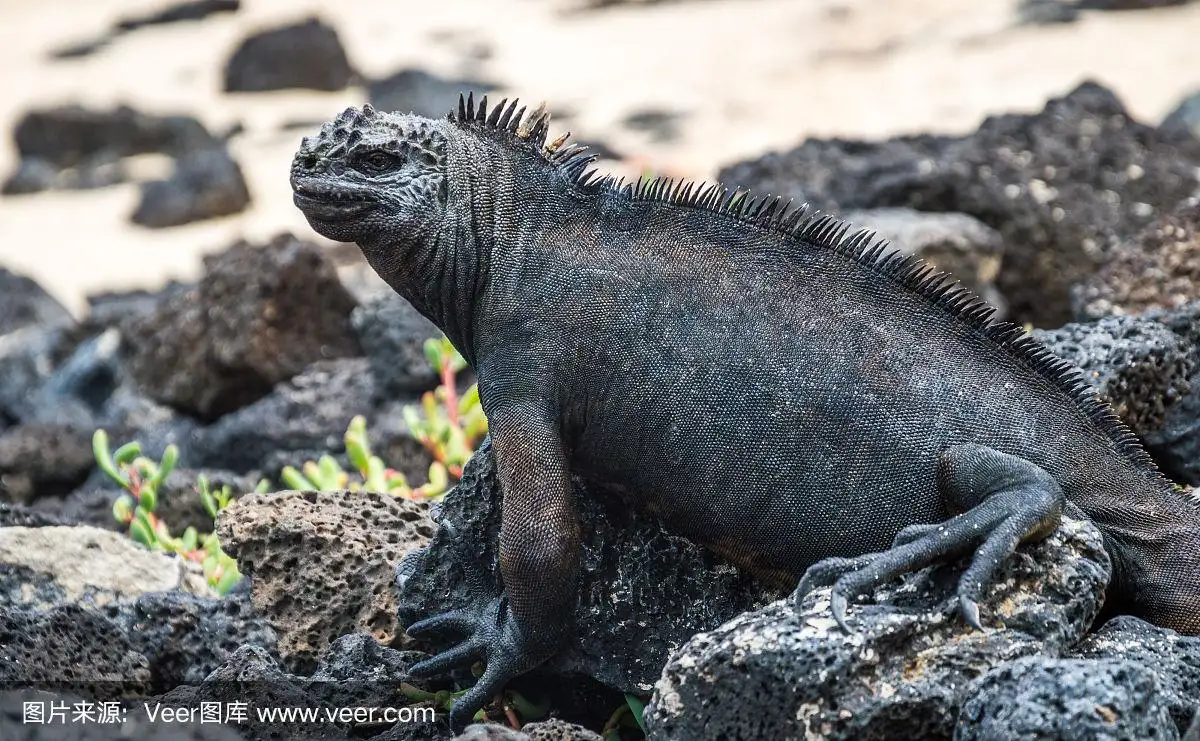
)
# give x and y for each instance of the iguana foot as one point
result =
(1007, 500)
(492, 636)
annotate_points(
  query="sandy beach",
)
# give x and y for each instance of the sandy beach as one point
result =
(743, 76)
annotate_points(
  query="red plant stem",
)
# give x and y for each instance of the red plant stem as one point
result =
(451, 392)
(513, 720)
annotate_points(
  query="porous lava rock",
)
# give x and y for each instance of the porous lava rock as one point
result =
(1043, 698)
(1174, 659)
(321, 564)
(1157, 269)
(258, 316)
(904, 668)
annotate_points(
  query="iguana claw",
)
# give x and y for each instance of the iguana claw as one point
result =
(492, 637)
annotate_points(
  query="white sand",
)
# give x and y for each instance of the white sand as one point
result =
(750, 75)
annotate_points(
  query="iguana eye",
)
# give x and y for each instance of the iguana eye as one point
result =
(377, 161)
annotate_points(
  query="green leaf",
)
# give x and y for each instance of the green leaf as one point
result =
(433, 354)
(439, 479)
(230, 575)
(263, 486)
(469, 400)
(397, 484)
(375, 477)
(295, 480)
(123, 509)
(312, 472)
(127, 452)
(526, 709)
(637, 707)
(141, 533)
(190, 540)
(416, 694)
(331, 472)
(169, 459)
(104, 459)
(210, 502)
(357, 447)
(228, 581)
(147, 500)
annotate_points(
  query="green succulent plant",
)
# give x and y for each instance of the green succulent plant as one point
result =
(142, 479)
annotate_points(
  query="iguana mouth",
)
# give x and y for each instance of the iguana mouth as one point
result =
(330, 203)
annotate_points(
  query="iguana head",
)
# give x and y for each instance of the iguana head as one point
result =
(432, 202)
(372, 176)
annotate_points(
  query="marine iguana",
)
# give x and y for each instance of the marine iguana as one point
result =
(793, 395)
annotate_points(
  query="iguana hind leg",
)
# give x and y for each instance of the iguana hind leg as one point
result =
(1003, 501)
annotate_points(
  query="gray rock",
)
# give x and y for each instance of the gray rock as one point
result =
(26, 361)
(954, 243)
(1038, 699)
(24, 303)
(16, 515)
(1061, 186)
(905, 668)
(490, 732)
(392, 441)
(258, 316)
(68, 136)
(78, 389)
(69, 647)
(353, 674)
(1159, 268)
(187, 10)
(305, 55)
(38, 460)
(185, 637)
(1139, 365)
(393, 335)
(252, 675)
(307, 415)
(1047, 12)
(1176, 445)
(657, 124)
(551, 730)
(72, 147)
(34, 175)
(204, 184)
(1174, 660)
(1185, 119)
(557, 730)
(417, 91)
(321, 563)
(643, 592)
(86, 565)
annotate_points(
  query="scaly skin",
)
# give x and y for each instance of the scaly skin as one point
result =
(795, 399)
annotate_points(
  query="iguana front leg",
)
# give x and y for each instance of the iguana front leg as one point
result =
(1003, 499)
(539, 555)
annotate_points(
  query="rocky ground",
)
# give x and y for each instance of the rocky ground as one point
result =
(1079, 219)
